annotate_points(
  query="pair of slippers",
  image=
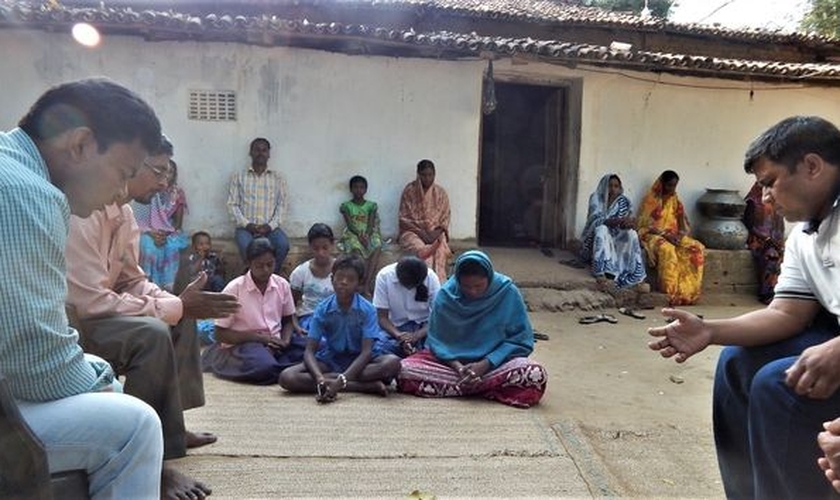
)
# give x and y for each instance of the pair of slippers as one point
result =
(598, 318)
(630, 312)
(609, 318)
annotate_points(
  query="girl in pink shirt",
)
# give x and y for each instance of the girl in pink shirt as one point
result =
(258, 342)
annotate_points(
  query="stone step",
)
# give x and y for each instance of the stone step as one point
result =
(547, 285)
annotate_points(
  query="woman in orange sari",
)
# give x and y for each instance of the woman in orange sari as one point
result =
(663, 229)
(424, 219)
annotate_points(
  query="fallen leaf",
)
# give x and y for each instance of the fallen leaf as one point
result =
(420, 495)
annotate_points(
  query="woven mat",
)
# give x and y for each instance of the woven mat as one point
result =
(493, 477)
(267, 422)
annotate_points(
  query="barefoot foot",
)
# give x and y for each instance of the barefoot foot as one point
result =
(199, 439)
(378, 387)
(177, 486)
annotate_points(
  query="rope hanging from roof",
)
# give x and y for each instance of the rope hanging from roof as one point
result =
(488, 91)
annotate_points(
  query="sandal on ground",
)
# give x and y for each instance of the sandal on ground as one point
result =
(629, 312)
(540, 336)
(588, 320)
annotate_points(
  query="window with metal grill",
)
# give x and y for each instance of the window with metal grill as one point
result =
(212, 105)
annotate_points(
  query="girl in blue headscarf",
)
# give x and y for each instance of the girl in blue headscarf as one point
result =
(478, 341)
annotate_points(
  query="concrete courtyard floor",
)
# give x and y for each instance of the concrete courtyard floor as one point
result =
(617, 421)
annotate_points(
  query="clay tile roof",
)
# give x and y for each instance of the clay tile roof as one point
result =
(561, 12)
(268, 29)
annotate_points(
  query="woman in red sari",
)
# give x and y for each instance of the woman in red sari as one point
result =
(424, 219)
(766, 241)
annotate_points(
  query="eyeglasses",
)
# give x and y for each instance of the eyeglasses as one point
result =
(161, 173)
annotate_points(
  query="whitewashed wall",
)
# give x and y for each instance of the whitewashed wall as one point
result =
(639, 124)
(328, 117)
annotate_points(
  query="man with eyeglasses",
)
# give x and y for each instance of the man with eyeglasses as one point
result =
(146, 333)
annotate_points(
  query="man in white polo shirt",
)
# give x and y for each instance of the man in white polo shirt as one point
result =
(778, 382)
(403, 297)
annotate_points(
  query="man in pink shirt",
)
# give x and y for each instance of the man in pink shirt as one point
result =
(146, 333)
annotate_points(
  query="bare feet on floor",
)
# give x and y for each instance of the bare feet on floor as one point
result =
(376, 387)
(198, 439)
(177, 486)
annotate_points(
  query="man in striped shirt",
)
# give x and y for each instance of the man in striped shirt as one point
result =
(257, 202)
(74, 151)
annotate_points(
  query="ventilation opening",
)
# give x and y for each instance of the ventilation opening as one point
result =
(212, 105)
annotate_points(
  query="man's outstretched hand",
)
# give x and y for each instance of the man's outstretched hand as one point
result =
(201, 305)
(683, 337)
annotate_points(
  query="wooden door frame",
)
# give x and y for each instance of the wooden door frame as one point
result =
(568, 143)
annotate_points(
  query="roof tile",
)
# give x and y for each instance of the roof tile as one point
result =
(243, 28)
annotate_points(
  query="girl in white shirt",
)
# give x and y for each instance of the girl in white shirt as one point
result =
(310, 280)
(403, 299)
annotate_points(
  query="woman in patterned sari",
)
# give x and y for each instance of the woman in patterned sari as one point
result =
(663, 228)
(610, 244)
(424, 219)
(478, 341)
(766, 241)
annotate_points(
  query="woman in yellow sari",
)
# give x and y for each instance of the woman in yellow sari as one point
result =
(663, 229)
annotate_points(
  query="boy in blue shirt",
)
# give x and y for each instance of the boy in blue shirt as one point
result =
(341, 351)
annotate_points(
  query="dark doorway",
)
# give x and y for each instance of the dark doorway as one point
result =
(521, 167)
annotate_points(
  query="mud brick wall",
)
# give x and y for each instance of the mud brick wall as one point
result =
(729, 271)
(298, 252)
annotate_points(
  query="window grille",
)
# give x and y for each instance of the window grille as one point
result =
(212, 105)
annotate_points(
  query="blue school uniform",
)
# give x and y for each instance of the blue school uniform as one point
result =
(340, 333)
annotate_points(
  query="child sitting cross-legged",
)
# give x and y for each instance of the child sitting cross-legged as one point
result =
(257, 342)
(349, 357)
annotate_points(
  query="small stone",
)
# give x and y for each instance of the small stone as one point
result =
(675, 379)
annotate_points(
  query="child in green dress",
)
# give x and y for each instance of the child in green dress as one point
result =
(361, 233)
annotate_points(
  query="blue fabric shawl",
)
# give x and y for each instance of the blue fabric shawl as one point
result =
(494, 326)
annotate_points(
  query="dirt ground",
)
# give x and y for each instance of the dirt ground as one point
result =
(646, 421)
(638, 425)
(617, 420)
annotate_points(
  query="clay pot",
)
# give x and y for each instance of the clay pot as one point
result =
(721, 227)
(722, 204)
